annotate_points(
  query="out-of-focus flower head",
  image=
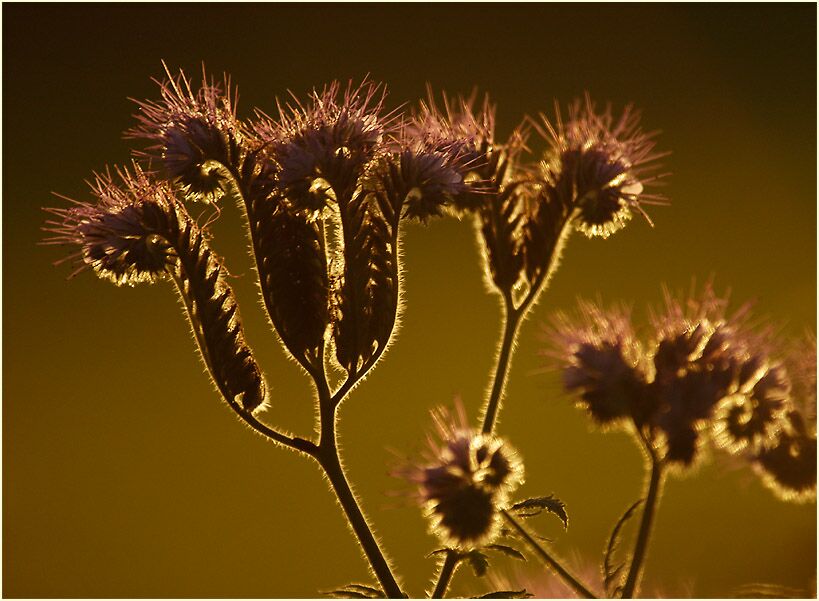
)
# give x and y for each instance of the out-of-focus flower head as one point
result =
(702, 370)
(464, 480)
(788, 465)
(599, 166)
(601, 360)
(120, 236)
(323, 148)
(194, 133)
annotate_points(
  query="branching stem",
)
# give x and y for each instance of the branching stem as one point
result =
(445, 576)
(548, 559)
(510, 331)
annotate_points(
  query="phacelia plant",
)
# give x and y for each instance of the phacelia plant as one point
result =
(326, 184)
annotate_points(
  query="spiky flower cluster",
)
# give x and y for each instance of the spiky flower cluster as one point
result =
(703, 374)
(599, 166)
(464, 481)
(194, 134)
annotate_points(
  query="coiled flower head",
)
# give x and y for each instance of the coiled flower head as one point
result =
(464, 481)
(120, 236)
(599, 166)
(194, 134)
(702, 370)
(323, 148)
(601, 360)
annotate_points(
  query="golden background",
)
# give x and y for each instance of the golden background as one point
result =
(125, 475)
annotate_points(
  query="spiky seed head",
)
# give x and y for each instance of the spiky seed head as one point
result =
(599, 166)
(121, 235)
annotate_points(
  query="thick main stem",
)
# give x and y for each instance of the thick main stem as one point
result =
(573, 582)
(447, 570)
(641, 545)
(510, 331)
(327, 456)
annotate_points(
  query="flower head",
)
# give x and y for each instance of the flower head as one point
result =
(701, 370)
(195, 134)
(323, 148)
(121, 235)
(464, 481)
(601, 360)
(599, 166)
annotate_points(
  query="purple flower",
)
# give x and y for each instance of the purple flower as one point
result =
(601, 360)
(599, 166)
(464, 481)
(121, 235)
(194, 134)
(703, 370)
(322, 149)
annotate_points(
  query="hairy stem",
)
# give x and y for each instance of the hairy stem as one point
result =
(328, 457)
(510, 330)
(548, 559)
(447, 571)
(646, 523)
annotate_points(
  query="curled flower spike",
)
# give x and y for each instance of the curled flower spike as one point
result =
(137, 231)
(465, 481)
(599, 166)
(702, 370)
(194, 134)
(601, 360)
(322, 149)
(121, 236)
(420, 174)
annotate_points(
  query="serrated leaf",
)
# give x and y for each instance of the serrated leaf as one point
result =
(507, 550)
(611, 573)
(537, 505)
(521, 594)
(478, 561)
(357, 591)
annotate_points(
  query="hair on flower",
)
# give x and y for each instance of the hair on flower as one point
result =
(464, 480)
(599, 165)
(193, 133)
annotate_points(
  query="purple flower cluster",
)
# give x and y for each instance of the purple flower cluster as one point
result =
(702, 374)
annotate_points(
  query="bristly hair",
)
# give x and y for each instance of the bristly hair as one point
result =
(600, 166)
(121, 235)
(323, 148)
(137, 231)
(194, 134)
(464, 480)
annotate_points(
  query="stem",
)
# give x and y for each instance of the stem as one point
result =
(329, 460)
(641, 545)
(447, 571)
(510, 331)
(548, 559)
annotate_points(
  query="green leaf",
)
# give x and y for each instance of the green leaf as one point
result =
(507, 550)
(611, 574)
(521, 594)
(537, 505)
(478, 561)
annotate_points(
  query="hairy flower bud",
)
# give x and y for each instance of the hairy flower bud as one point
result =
(464, 482)
(195, 135)
(598, 166)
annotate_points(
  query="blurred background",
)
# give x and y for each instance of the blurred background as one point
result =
(124, 475)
